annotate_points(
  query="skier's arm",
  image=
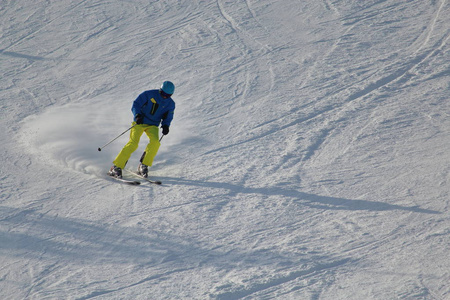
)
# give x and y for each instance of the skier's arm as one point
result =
(138, 104)
(167, 118)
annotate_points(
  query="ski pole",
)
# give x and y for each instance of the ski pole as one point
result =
(100, 148)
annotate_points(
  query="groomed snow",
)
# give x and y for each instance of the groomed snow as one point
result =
(308, 157)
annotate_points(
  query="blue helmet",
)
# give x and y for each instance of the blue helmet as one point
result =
(168, 87)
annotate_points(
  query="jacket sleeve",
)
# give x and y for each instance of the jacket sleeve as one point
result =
(138, 104)
(168, 116)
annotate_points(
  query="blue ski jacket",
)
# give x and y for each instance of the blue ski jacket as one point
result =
(155, 109)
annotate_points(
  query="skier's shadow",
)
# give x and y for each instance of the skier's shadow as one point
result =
(310, 200)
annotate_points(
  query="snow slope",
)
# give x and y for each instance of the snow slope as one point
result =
(308, 157)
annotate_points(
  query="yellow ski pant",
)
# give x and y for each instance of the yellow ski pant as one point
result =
(135, 135)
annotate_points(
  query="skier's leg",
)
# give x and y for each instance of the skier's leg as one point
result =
(153, 145)
(130, 147)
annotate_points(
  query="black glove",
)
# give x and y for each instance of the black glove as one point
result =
(139, 119)
(165, 129)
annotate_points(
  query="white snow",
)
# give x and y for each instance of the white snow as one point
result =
(308, 157)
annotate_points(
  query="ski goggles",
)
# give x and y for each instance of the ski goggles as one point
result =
(165, 95)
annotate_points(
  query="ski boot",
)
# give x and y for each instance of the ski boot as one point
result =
(143, 170)
(115, 172)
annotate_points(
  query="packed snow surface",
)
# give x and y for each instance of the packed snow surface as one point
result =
(308, 157)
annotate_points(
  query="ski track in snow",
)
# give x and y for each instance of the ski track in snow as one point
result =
(308, 156)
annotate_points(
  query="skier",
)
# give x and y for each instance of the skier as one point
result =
(150, 109)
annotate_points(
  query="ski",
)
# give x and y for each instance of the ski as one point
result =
(145, 178)
(149, 180)
(126, 181)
